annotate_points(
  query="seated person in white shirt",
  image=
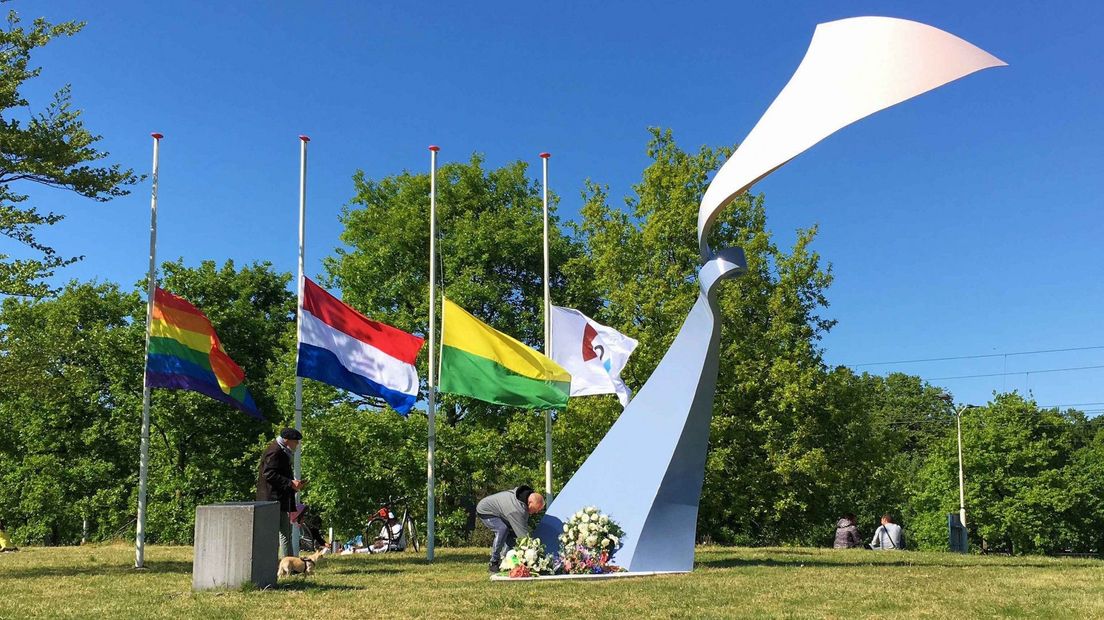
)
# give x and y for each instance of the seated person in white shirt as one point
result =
(382, 544)
(888, 535)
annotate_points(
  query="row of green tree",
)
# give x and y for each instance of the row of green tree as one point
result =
(793, 443)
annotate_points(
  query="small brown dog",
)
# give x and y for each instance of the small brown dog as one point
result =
(294, 565)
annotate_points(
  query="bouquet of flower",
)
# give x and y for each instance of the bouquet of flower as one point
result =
(588, 542)
(527, 559)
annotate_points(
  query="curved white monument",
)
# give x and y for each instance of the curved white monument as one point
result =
(647, 472)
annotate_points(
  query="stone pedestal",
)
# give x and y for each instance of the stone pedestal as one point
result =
(236, 543)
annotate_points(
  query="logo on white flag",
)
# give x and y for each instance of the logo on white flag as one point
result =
(593, 348)
(593, 353)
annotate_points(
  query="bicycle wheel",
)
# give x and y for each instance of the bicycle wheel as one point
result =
(411, 533)
(377, 531)
(306, 543)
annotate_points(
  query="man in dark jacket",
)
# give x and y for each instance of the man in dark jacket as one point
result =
(507, 515)
(276, 481)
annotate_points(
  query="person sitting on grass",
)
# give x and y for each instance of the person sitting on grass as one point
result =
(392, 531)
(5, 542)
(888, 535)
(507, 515)
(847, 533)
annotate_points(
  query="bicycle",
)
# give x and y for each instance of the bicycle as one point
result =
(310, 529)
(388, 533)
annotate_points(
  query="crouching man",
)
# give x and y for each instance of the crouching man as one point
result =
(507, 515)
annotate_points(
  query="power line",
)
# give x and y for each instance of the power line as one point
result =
(950, 422)
(971, 357)
(950, 418)
(1021, 372)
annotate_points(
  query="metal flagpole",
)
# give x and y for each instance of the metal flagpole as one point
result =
(151, 289)
(303, 140)
(961, 476)
(547, 341)
(431, 500)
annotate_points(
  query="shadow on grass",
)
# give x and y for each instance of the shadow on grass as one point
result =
(95, 570)
(307, 585)
(365, 570)
(823, 563)
(418, 559)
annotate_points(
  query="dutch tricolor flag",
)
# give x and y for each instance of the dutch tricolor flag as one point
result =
(344, 348)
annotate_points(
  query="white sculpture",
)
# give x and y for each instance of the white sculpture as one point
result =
(648, 470)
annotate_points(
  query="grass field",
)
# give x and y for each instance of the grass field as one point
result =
(97, 582)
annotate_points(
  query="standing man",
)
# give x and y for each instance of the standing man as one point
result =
(888, 535)
(276, 482)
(507, 514)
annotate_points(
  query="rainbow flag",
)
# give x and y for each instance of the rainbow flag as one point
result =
(482, 362)
(185, 354)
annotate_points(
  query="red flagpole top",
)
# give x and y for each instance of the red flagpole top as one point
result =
(434, 148)
(157, 136)
(304, 137)
(545, 155)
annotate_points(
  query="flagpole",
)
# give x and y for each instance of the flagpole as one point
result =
(151, 290)
(547, 340)
(303, 140)
(431, 500)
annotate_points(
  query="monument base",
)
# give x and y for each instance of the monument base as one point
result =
(620, 575)
(236, 543)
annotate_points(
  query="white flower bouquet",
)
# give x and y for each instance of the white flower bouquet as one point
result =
(588, 542)
(527, 559)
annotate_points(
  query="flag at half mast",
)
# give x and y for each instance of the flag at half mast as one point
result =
(593, 353)
(483, 363)
(344, 348)
(185, 354)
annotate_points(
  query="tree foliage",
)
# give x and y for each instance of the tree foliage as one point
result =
(1031, 482)
(71, 397)
(51, 148)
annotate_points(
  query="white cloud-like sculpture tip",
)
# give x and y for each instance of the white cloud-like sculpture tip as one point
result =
(854, 67)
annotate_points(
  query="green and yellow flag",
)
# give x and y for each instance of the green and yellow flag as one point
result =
(481, 362)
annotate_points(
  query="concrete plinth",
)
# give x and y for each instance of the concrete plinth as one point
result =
(236, 543)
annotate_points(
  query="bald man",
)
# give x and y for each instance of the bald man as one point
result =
(507, 515)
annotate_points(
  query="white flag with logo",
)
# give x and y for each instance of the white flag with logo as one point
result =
(593, 353)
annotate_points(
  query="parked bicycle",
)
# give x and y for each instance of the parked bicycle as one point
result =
(390, 533)
(310, 529)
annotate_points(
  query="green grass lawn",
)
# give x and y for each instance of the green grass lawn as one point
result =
(97, 581)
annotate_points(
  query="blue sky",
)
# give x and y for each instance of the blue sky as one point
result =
(966, 221)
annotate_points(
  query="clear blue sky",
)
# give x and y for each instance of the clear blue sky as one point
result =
(967, 221)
